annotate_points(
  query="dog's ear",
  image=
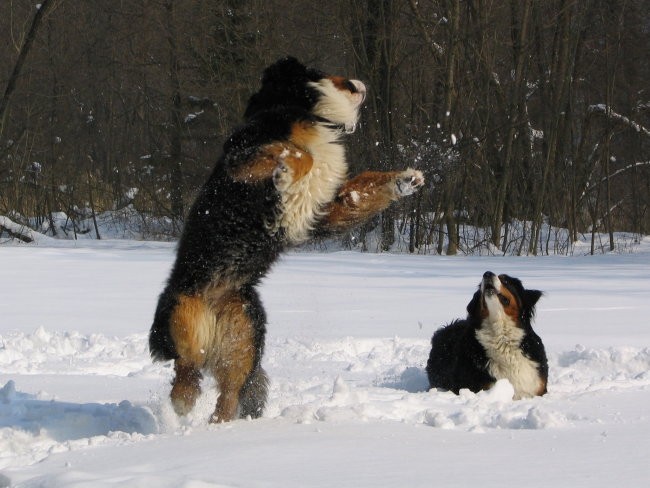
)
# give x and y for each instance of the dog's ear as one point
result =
(287, 68)
(474, 306)
(532, 296)
(530, 300)
(284, 83)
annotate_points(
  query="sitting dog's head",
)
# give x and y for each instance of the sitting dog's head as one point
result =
(288, 83)
(503, 298)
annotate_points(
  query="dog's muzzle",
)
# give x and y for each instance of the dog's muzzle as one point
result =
(488, 284)
(359, 90)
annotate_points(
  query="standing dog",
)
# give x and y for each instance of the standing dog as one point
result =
(280, 180)
(495, 341)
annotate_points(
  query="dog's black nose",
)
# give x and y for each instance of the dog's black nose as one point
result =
(488, 275)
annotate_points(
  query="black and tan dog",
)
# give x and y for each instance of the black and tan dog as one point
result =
(494, 342)
(280, 181)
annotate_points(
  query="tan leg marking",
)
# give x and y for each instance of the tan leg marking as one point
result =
(272, 156)
(186, 387)
(368, 194)
(236, 356)
(359, 199)
(191, 326)
(293, 164)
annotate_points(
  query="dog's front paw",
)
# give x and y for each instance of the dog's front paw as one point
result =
(283, 174)
(292, 165)
(408, 181)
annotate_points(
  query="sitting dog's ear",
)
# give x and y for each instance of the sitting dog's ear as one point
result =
(474, 306)
(532, 296)
(530, 299)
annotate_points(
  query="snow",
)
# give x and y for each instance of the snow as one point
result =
(6, 223)
(82, 405)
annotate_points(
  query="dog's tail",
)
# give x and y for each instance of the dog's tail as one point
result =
(161, 345)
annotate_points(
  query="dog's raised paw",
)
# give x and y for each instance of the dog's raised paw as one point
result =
(292, 165)
(408, 181)
(283, 174)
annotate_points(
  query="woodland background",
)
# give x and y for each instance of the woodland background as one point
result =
(524, 115)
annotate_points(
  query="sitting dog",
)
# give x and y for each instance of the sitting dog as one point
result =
(280, 181)
(495, 341)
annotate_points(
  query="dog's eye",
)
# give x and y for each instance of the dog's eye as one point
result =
(505, 301)
(350, 86)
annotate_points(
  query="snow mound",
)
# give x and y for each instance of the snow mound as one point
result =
(612, 366)
(325, 381)
(43, 351)
(32, 428)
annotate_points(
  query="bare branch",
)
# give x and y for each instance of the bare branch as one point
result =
(22, 56)
(609, 113)
(615, 173)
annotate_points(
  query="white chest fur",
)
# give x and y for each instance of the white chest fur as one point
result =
(501, 339)
(304, 200)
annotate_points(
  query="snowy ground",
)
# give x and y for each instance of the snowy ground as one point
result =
(82, 405)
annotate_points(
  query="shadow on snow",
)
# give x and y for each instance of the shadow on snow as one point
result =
(63, 421)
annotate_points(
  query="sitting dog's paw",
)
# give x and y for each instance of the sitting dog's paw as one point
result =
(408, 181)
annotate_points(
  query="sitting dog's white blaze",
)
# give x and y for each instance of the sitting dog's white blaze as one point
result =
(501, 337)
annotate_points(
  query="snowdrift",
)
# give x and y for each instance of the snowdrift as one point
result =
(81, 404)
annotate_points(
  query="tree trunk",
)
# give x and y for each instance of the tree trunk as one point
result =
(374, 20)
(15, 231)
(452, 231)
(561, 74)
(176, 126)
(22, 56)
(517, 108)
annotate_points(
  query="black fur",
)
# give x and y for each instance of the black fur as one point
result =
(239, 225)
(226, 231)
(458, 359)
(212, 244)
(229, 242)
(285, 84)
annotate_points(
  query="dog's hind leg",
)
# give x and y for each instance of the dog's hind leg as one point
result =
(191, 326)
(186, 387)
(237, 369)
(252, 396)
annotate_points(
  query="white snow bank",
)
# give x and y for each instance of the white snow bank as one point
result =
(82, 405)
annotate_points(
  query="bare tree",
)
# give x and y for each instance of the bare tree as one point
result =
(41, 12)
(523, 115)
